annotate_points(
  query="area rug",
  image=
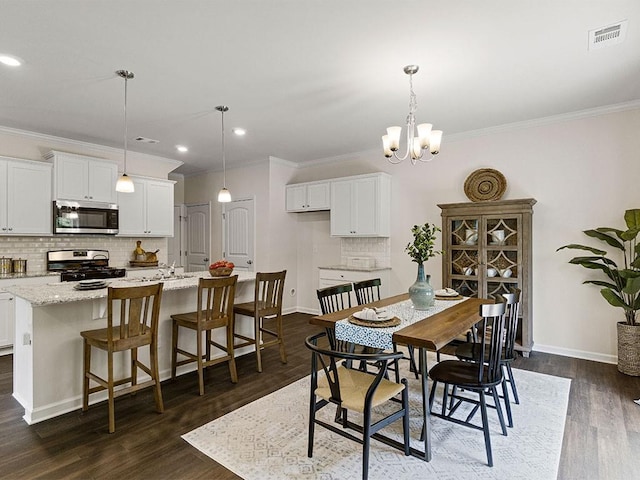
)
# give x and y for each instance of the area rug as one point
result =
(267, 439)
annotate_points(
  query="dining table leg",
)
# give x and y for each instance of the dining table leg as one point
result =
(424, 374)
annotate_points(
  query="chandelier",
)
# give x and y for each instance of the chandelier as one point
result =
(124, 184)
(426, 138)
(224, 196)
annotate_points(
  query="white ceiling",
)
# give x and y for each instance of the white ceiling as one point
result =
(308, 79)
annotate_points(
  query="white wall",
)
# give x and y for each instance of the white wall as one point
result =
(583, 172)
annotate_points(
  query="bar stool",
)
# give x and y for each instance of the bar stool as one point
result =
(267, 303)
(139, 309)
(214, 310)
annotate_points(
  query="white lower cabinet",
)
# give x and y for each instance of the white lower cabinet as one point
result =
(329, 277)
(148, 211)
(6, 320)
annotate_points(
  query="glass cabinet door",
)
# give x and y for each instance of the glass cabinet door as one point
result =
(463, 252)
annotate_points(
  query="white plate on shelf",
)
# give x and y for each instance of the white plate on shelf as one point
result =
(382, 317)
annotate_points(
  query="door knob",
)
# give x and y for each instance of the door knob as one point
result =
(249, 262)
(206, 259)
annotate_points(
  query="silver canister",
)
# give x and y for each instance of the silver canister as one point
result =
(6, 265)
(19, 265)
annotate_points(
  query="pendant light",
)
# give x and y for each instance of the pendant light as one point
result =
(224, 196)
(125, 185)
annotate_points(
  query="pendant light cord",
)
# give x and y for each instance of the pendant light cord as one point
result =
(224, 166)
(126, 79)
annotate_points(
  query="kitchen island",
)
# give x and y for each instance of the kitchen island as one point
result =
(47, 358)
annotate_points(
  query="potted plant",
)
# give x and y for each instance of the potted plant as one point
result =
(420, 250)
(621, 287)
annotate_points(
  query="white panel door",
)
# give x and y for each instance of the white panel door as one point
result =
(239, 234)
(198, 238)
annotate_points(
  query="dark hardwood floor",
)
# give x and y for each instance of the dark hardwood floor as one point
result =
(601, 441)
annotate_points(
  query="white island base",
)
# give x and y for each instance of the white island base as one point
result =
(48, 352)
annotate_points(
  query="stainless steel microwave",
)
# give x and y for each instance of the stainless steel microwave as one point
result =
(74, 217)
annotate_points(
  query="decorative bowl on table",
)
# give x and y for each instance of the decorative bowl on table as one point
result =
(220, 271)
(221, 268)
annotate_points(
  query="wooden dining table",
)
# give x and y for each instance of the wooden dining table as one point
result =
(431, 333)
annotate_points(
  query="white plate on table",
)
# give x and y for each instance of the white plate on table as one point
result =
(382, 317)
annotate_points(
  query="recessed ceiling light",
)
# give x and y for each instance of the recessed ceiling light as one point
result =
(10, 60)
(239, 131)
(182, 148)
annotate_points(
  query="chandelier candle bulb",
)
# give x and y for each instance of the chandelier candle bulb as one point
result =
(385, 145)
(394, 137)
(435, 140)
(424, 134)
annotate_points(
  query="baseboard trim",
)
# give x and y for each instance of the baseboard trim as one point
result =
(569, 352)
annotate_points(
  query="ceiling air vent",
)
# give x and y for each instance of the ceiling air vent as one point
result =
(146, 140)
(607, 36)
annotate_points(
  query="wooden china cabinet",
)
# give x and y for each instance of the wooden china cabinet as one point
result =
(487, 248)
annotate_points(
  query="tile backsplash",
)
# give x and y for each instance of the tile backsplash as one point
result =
(378, 248)
(34, 249)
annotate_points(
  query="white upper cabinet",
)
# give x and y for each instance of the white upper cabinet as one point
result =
(84, 178)
(148, 211)
(25, 197)
(308, 197)
(361, 206)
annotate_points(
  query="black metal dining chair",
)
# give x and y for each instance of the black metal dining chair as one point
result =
(334, 298)
(470, 351)
(480, 377)
(349, 389)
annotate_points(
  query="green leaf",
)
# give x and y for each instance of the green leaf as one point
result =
(614, 299)
(575, 246)
(630, 234)
(632, 218)
(602, 283)
(632, 287)
(600, 235)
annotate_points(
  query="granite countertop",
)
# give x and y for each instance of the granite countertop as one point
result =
(354, 269)
(13, 276)
(56, 293)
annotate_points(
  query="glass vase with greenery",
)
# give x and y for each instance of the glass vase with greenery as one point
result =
(420, 250)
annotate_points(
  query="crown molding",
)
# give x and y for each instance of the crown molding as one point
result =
(99, 149)
(543, 121)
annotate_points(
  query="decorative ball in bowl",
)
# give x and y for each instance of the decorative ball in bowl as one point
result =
(221, 268)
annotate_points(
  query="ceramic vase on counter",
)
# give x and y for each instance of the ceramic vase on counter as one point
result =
(421, 292)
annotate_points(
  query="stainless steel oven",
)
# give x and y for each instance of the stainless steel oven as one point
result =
(74, 217)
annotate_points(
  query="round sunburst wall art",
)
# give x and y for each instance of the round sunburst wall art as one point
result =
(484, 185)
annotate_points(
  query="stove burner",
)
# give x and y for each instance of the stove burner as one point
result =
(84, 264)
(91, 274)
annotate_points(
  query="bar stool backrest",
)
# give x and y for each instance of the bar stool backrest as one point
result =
(138, 313)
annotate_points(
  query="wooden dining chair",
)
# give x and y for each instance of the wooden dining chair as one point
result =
(214, 310)
(470, 351)
(266, 305)
(356, 391)
(136, 309)
(480, 378)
